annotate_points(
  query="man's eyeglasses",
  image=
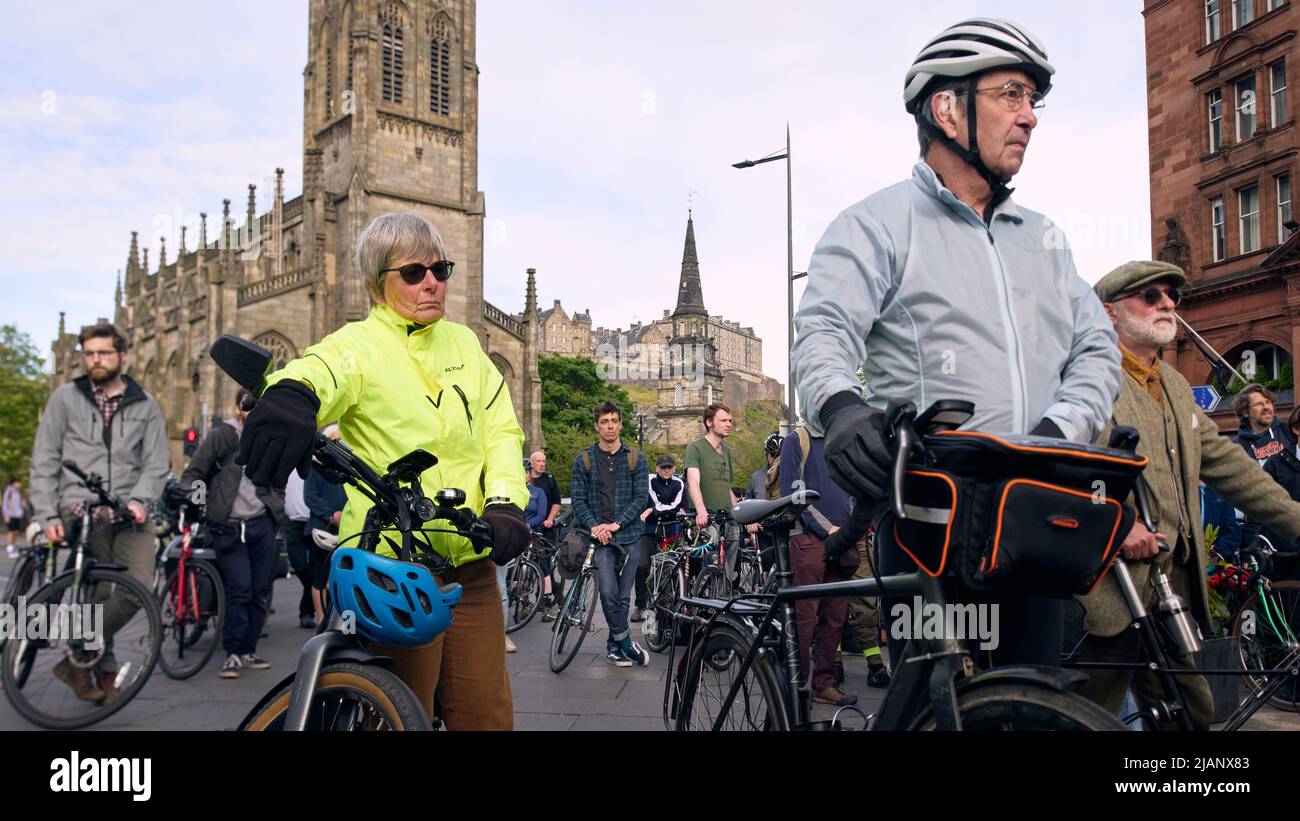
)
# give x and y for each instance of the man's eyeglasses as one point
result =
(93, 355)
(1013, 96)
(413, 274)
(1154, 296)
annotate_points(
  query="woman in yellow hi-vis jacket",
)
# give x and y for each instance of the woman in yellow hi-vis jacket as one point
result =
(407, 378)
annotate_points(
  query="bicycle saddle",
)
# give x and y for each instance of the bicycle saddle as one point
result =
(753, 510)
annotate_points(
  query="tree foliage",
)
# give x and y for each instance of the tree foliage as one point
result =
(571, 389)
(23, 390)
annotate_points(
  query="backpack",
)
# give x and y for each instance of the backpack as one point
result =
(631, 460)
(572, 551)
(772, 489)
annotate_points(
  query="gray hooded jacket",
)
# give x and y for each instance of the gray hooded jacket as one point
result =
(131, 454)
(911, 286)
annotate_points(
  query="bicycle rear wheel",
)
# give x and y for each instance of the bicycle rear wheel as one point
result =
(574, 621)
(759, 703)
(25, 577)
(349, 698)
(711, 583)
(666, 590)
(1022, 707)
(523, 593)
(1266, 639)
(193, 611)
(75, 667)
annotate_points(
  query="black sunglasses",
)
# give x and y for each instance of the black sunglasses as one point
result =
(1154, 296)
(413, 274)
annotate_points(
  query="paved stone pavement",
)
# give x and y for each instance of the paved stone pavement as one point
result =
(589, 695)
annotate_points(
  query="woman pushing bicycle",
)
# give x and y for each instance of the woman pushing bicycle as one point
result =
(406, 378)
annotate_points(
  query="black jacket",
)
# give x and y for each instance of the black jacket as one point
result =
(1264, 445)
(214, 463)
(1285, 470)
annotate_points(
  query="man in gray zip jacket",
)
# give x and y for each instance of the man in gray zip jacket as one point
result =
(940, 287)
(107, 424)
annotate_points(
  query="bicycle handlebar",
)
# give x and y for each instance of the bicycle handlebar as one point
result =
(95, 485)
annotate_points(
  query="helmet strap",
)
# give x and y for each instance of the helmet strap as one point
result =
(971, 155)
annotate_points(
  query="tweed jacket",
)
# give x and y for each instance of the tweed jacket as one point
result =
(1195, 452)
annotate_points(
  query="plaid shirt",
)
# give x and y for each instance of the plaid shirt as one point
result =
(630, 497)
(107, 404)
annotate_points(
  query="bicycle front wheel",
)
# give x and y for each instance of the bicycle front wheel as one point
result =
(574, 621)
(193, 610)
(88, 650)
(25, 577)
(1266, 630)
(349, 698)
(712, 671)
(666, 590)
(523, 593)
(1026, 707)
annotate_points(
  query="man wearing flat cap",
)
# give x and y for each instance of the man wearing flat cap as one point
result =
(1183, 447)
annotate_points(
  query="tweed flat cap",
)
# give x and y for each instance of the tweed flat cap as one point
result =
(1133, 275)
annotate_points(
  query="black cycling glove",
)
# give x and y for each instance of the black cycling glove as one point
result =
(856, 453)
(278, 434)
(510, 533)
(1046, 427)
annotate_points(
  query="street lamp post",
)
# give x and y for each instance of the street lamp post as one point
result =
(789, 247)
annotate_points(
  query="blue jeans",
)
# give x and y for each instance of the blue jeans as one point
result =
(615, 574)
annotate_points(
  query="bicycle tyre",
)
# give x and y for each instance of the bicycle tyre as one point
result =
(19, 657)
(23, 578)
(657, 629)
(1260, 651)
(523, 593)
(390, 703)
(1020, 706)
(183, 638)
(761, 700)
(578, 611)
(711, 583)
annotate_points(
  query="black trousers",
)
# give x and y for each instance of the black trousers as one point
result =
(300, 546)
(245, 556)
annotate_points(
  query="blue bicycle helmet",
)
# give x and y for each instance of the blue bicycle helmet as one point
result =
(394, 602)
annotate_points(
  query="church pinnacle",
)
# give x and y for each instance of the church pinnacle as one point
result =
(690, 294)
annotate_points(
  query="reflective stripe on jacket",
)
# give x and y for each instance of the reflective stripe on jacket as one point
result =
(914, 288)
(434, 388)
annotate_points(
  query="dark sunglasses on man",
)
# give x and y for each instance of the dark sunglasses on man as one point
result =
(413, 274)
(1153, 296)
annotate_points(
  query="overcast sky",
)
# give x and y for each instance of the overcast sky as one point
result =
(596, 119)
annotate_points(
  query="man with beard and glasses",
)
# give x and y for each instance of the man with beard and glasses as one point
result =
(108, 425)
(1261, 433)
(1183, 447)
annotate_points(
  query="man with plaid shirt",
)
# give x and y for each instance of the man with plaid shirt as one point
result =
(609, 495)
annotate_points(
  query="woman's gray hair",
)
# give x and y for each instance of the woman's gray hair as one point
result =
(392, 237)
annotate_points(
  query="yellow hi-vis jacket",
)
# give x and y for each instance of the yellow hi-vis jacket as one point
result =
(434, 388)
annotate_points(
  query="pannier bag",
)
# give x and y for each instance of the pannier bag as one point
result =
(1017, 513)
(572, 554)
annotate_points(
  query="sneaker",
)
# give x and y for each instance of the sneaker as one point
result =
(548, 613)
(835, 696)
(617, 658)
(307, 622)
(231, 667)
(638, 614)
(634, 652)
(510, 645)
(79, 679)
(877, 676)
(11, 551)
(254, 662)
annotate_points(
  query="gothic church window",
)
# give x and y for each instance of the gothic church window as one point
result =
(329, 80)
(392, 63)
(440, 68)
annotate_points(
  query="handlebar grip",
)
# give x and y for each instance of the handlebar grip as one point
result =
(902, 437)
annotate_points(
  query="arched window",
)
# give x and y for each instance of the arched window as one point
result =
(392, 68)
(440, 68)
(282, 350)
(1261, 362)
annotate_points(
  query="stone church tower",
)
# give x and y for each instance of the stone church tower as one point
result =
(390, 123)
(696, 378)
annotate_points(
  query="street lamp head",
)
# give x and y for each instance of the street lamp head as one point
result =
(743, 164)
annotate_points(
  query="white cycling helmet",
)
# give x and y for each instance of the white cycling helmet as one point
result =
(973, 47)
(324, 539)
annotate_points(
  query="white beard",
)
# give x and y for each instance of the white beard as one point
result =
(1147, 332)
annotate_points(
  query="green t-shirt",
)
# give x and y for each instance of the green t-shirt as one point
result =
(715, 472)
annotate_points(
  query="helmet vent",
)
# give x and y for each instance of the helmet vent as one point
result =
(425, 604)
(345, 561)
(381, 581)
(366, 611)
(403, 618)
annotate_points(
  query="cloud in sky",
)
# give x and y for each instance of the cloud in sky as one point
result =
(595, 120)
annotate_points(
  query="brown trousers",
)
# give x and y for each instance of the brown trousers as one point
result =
(819, 621)
(465, 666)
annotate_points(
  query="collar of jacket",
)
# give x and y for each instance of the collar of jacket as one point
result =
(133, 392)
(928, 181)
(390, 319)
(1275, 431)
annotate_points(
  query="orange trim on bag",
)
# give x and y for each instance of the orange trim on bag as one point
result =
(947, 534)
(1002, 506)
(1137, 461)
(1064, 521)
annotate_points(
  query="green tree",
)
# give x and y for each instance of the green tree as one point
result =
(571, 389)
(23, 390)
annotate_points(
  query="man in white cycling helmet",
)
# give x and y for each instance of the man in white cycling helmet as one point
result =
(942, 287)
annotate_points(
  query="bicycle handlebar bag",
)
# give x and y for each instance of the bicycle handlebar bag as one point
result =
(1023, 514)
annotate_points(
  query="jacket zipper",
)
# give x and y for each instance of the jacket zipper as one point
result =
(1018, 397)
(464, 401)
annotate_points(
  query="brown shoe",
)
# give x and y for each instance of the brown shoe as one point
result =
(835, 696)
(80, 680)
(108, 683)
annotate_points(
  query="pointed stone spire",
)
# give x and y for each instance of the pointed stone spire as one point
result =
(251, 223)
(62, 325)
(690, 294)
(133, 257)
(144, 266)
(225, 224)
(162, 253)
(117, 294)
(203, 232)
(530, 294)
(180, 253)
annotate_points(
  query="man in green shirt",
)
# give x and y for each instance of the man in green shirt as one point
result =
(708, 465)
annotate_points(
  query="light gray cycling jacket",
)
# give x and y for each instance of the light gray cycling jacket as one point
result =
(911, 286)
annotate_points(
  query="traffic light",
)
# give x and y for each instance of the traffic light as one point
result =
(191, 441)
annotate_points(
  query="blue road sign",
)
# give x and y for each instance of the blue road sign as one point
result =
(1206, 397)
